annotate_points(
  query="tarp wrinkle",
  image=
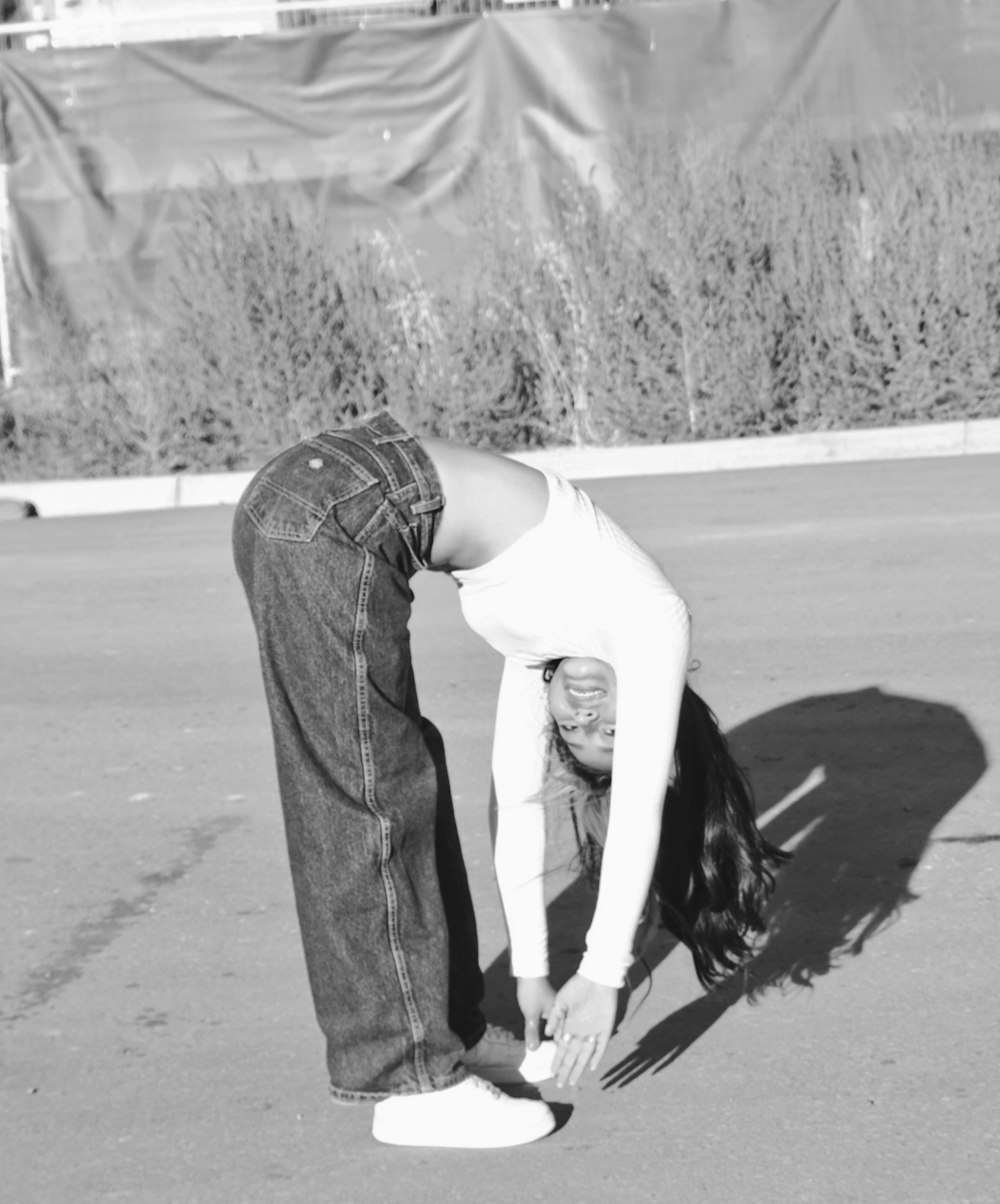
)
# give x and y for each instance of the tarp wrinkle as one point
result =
(385, 124)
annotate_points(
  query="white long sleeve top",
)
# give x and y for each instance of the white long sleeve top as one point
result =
(577, 585)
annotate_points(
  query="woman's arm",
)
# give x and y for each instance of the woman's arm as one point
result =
(651, 668)
(519, 817)
(650, 672)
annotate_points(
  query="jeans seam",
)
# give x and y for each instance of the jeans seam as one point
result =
(305, 503)
(422, 474)
(403, 463)
(384, 461)
(385, 842)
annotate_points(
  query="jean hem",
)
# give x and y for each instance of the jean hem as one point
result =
(441, 1083)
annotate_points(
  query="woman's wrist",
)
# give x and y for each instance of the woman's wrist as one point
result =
(604, 971)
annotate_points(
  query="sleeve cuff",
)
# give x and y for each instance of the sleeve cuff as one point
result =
(607, 972)
(519, 969)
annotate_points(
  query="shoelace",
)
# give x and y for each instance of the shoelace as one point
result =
(483, 1085)
(499, 1035)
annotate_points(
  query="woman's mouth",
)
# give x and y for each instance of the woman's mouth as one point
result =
(586, 693)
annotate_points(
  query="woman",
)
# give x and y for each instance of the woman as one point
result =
(326, 539)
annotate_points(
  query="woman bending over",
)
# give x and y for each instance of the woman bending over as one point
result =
(596, 647)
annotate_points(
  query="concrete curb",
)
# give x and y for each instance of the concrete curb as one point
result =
(116, 495)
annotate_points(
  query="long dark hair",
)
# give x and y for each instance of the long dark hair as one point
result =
(714, 869)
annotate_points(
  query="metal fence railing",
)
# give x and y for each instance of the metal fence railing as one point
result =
(83, 26)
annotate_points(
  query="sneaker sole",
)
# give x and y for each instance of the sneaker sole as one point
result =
(490, 1141)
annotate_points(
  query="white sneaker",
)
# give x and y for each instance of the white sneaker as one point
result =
(472, 1115)
(500, 1058)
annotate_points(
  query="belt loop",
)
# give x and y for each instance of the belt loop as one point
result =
(428, 506)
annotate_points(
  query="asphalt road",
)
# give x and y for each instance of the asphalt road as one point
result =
(158, 1040)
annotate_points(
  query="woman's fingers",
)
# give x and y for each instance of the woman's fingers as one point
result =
(600, 1046)
(573, 1056)
(576, 1053)
(562, 1062)
(555, 1020)
(535, 998)
(581, 1020)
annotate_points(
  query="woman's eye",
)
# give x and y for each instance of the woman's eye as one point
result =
(567, 727)
(609, 731)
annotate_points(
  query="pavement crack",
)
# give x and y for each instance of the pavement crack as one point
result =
(92, 937)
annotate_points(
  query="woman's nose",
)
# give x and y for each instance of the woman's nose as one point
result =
(585, 715)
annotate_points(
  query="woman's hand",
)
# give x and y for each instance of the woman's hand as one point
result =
(581, 1020)
(535, 998)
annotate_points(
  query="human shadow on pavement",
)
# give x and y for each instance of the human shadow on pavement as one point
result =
(855, 783)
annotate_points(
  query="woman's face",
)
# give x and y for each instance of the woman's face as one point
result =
(583, 702)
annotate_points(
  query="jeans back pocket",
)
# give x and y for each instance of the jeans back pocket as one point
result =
(293, 495)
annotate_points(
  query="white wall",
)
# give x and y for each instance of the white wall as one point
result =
(85, 22)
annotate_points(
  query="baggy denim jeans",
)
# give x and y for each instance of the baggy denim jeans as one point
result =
(326, 539)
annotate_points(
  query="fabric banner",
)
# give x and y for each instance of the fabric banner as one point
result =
(384, 125)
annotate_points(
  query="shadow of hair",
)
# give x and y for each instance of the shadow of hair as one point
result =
(855, 783)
